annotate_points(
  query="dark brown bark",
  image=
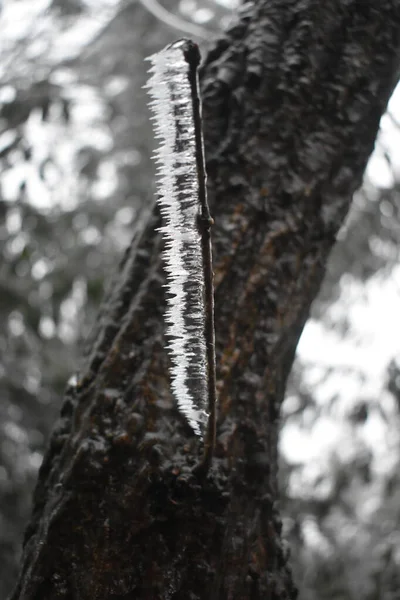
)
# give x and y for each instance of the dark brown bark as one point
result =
(292, 98)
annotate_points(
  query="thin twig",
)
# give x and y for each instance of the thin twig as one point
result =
(192, 55)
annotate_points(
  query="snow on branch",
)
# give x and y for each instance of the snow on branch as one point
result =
(186, 230)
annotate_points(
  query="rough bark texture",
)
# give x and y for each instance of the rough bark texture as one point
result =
(292, 98)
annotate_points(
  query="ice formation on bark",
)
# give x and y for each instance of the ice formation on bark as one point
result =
(171, 92)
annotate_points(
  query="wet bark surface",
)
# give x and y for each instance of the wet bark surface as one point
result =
(292, 98)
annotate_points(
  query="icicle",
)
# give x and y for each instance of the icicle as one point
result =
(183, 204)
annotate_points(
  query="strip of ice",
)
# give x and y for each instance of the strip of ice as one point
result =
(178, 196)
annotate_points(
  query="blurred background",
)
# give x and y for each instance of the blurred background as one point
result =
(75, 184)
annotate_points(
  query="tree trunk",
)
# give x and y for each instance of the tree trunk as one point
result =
(292, 98)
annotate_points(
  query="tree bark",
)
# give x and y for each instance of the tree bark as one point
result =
(292, 98)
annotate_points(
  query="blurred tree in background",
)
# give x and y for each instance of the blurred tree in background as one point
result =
(76, 182)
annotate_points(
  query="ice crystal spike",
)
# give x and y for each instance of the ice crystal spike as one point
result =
(180, 184)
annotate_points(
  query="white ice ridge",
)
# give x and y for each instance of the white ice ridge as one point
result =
(178, 190)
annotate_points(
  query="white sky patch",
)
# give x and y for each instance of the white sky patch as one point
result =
(19, 18)
(8, 94)
(41, 268)
(116, 85)
(16, 323)
(394, 103)
(378, 170)
(50, 175)
(47, 327)
(194, 10)
(70, 312)
(72, 41)
(7, 138)
(11, 181)
(107, 181)
(381, 172)
(90, 236)
(373, 312)
(230, 4)
(203, 15)
(31, 31)
(13, 221)
(341, 370)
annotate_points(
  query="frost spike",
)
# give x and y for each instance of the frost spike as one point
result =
(173, 88)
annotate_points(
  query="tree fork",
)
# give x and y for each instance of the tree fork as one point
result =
(292, 98)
